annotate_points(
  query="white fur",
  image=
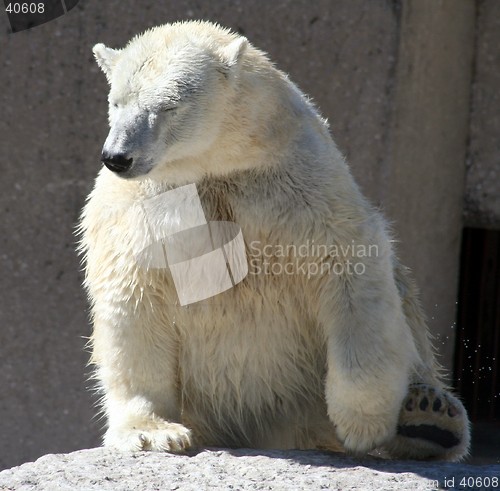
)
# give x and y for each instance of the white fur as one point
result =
(279, 360)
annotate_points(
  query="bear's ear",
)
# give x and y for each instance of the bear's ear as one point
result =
(232, 54)
(106, 58)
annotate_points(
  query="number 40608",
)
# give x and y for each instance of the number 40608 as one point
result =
(25, 8)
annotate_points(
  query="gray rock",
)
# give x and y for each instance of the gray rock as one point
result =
(104, 469)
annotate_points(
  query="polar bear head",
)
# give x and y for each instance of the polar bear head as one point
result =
(168, 95)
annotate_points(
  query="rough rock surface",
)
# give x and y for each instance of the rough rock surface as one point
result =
(104, 469)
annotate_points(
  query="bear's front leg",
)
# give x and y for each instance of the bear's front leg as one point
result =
(136, 368)
(369, 354)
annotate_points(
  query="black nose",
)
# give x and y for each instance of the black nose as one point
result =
(116, 162)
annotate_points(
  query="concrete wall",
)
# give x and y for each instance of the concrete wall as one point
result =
(393, 81)
(482, 192)
(423, 181)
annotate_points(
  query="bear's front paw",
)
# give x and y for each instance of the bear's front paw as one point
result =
(159, 436)
(361, 432)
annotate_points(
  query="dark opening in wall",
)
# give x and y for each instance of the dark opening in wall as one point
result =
(477, 367)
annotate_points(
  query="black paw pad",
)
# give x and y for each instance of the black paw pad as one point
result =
(410, 405)
(424, 403)
(443, 438)
(436, 406)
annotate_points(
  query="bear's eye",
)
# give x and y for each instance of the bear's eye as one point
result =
(167, 109)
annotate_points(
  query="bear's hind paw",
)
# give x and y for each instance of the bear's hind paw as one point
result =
(432, 424)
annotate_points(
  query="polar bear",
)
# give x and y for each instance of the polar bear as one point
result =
(304, 352)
